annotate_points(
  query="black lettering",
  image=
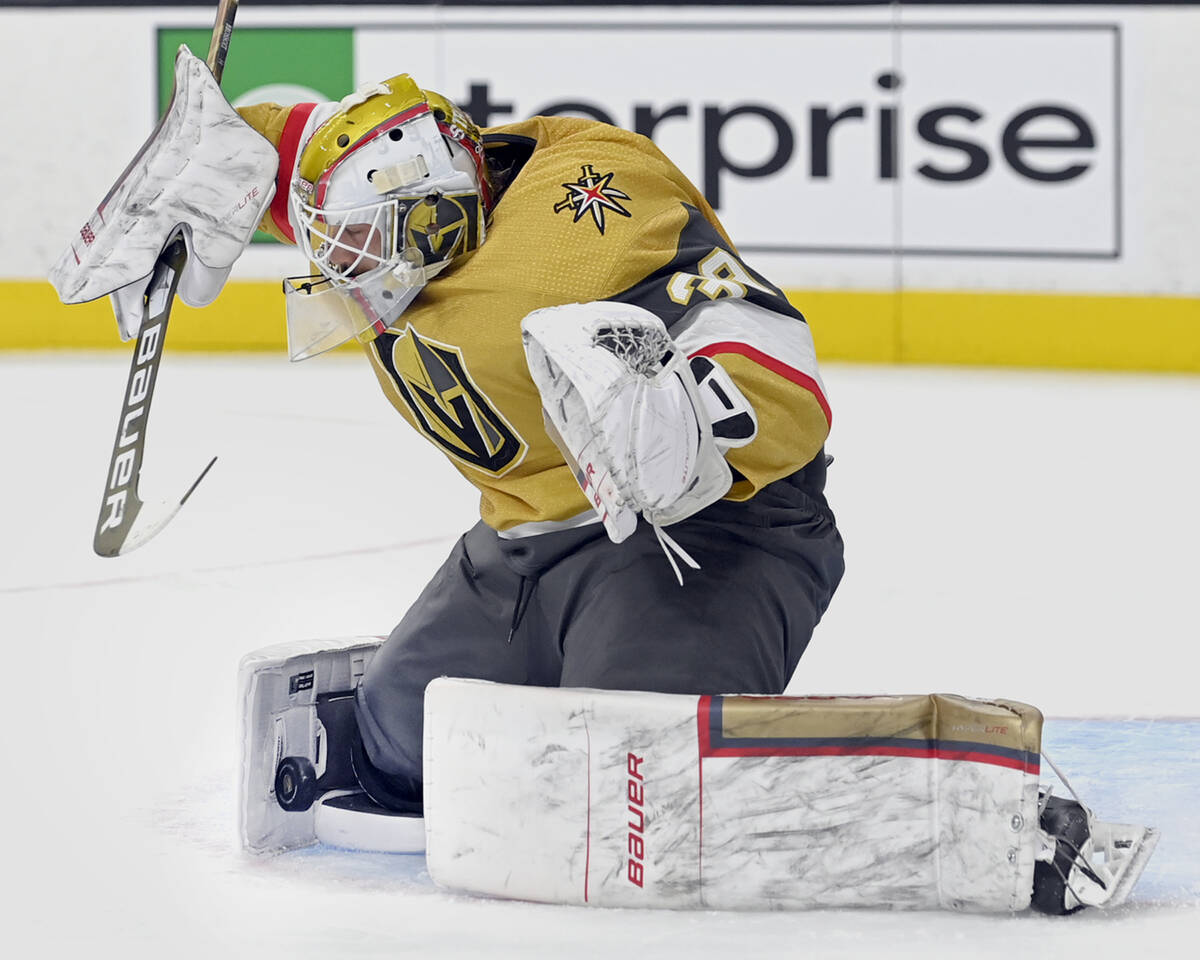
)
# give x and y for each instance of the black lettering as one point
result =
(715, 160)
(820, 125)
(888, 148)
(887, 143)
(977, 158)
(1013, 143)
(571, 106)
(646, 119)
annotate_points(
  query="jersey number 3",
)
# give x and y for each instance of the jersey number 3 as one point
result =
(720, 274)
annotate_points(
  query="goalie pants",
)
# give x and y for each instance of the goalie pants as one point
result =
(571, 608)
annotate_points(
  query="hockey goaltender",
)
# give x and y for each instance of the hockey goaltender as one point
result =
(583, 706)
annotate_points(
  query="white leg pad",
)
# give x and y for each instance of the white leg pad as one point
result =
(652, 800)
(278, 688)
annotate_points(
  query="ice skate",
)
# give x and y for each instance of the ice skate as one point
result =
(1085, 862)
(298, 779)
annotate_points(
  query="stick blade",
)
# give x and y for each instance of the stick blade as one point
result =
(123, 528)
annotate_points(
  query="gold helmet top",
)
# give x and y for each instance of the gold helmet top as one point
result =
(364, 122)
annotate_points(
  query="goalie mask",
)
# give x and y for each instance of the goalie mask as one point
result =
(387, 193)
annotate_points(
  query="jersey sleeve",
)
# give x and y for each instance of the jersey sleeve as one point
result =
(716, 306)
(287, 128)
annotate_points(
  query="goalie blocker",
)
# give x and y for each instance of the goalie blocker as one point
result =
(614, 798)
(204, 173)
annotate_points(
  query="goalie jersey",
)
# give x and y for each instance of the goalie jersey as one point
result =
(590, 212)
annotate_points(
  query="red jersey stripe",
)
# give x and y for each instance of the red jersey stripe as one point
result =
(770, 363)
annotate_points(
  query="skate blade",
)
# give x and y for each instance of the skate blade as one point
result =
(342, 822)
(1118, 853)
(1133, 868)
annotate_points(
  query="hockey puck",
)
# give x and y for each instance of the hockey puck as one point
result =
(295, 784)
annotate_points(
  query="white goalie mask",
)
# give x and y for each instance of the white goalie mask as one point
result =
(387, 193)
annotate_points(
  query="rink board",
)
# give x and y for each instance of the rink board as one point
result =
(1077, 331)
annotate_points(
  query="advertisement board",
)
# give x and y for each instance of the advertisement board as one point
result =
(944, 183)
(814, 149)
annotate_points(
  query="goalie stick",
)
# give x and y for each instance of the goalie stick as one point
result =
(125, 521)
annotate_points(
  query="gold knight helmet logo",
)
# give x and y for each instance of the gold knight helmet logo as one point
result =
(443, 225)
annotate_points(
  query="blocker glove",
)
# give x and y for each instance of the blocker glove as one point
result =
(203, 171)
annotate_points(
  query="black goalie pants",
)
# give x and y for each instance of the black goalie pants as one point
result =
(571, 608)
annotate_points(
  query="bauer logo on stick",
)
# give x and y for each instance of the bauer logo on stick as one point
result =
(124, 465)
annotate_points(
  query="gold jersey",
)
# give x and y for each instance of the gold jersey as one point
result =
(593, 212)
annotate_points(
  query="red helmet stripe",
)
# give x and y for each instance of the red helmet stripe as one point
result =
(289, 147)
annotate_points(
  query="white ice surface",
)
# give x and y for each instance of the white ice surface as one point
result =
(1027, 535)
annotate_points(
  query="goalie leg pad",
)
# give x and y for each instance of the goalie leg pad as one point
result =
(655, 800)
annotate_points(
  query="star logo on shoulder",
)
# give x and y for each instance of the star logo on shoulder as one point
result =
(593, 193)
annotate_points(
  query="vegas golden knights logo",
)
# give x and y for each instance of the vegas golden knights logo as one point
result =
(444, 225)
(449, 409)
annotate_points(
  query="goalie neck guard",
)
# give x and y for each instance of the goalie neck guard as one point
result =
(387, 193)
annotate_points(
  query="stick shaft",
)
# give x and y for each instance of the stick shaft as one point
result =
(122, 504)
(218, 49)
